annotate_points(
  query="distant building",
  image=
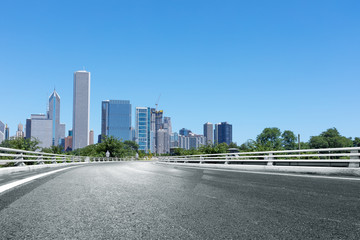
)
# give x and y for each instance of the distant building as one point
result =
(184, 132)
(144, 133)
(174, 140)
(81, 109)
(2, 131)
(116, 119)
(20, 132)
(58, 129)
(223, 133)
(91, 137)
(191, 141)
(47, 127)
(68, 142)
(7, 132)
(208, 133)
(40, 127)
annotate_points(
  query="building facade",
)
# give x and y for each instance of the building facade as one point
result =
(223, 133)
(20, 132)
(47, 127)
(58, 129)
(81, 109)
(116, 119)
(208, 133)
(7, 132)
(91, 137)
(144, 135)
(191, 141)
(2, 131)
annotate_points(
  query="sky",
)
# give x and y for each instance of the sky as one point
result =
(294, 64)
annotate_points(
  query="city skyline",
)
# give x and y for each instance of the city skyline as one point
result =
(291, 65)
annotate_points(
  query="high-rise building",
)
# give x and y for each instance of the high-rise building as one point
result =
(208, 133)
(184, 132)
(7, 132)
(2, 131)
(163, 136)
(81, 109)
(68, 142)
(47, 127)
(223, 133)
(91, 137)
(20, 132)
(41, 128)
(116, 119)
(191, 141)
(144, 134)
(58, 129)
(174, 140)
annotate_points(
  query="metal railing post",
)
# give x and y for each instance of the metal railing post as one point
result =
(354, 164)
(269, 159)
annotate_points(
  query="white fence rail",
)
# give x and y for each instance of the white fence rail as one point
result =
(21, 158)
(327, 157)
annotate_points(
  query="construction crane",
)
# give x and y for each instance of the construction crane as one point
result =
(157, 102)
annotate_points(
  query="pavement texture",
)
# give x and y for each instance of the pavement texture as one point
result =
(142, 200)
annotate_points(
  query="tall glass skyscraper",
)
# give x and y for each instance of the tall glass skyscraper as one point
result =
(223, 133)
(58, 130)
(116, 119)
(81, 109)
(144, 132)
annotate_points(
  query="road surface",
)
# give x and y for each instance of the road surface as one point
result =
(144, 200)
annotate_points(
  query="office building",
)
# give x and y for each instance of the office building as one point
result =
(41, 128)
(2, 131)
(116, 119)
(208, 133)
(47, 127)
(223, 133)
(81, 109)
(91, 137)
(20, 132)
(68, 142)
(58, 129)
(7, 132)
(184, 132)
(144, 134)
(191, 141)
(174, 140)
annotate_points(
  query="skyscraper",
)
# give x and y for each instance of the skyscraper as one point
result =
(47, 127)
(20, 132)
(7, 132)
(208, 133)
(41, 128)
(116, 119)
(58, 129)
(2, 131)
(81, 109)
(223, 133)
(91, 137)
(144, 135)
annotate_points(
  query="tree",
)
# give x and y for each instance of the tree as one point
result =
(21, 143)
(54, 149)
(248, 146)
(356, 142)
(288, 140)
(269, 139)
(330, 138)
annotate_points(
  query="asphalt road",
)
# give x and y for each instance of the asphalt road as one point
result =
(138, 200)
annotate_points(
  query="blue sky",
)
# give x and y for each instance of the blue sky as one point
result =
(294, 65)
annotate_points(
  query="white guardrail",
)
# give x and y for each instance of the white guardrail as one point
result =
(21, 157)
(327, 157)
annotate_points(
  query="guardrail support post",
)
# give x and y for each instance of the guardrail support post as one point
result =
(269, 159)
(226, 158)
(354, 164)
(20, 163)
(201, 160)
